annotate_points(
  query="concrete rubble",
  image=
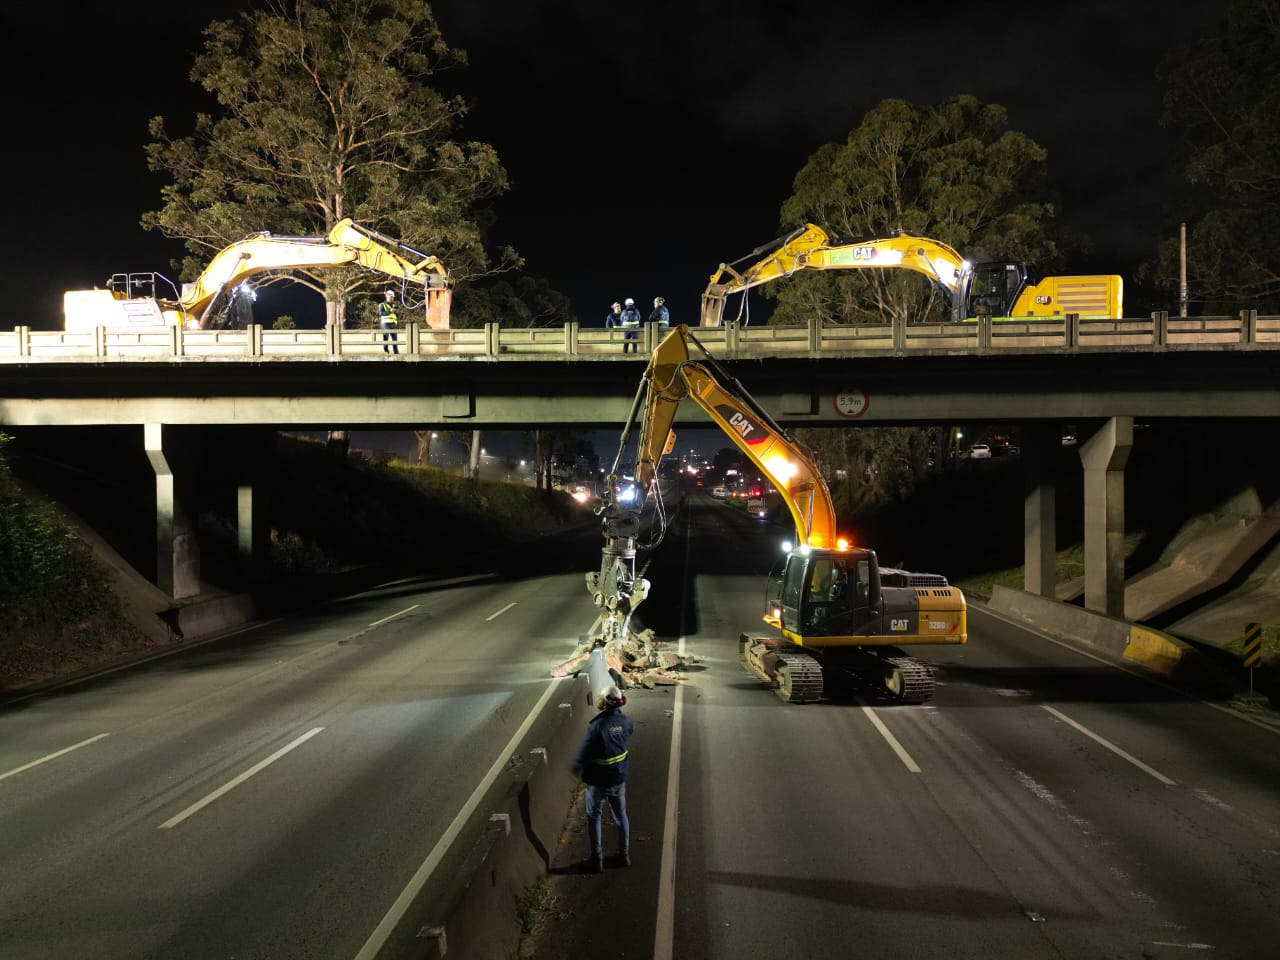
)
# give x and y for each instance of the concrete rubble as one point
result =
(639, 661)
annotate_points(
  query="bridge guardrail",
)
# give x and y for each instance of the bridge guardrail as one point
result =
(1247, 330)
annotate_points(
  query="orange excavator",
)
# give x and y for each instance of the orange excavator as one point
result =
(833, 604)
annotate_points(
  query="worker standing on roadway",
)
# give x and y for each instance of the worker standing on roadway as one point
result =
(630, 319)
(602, 764)
(389, 322)
(660, 315)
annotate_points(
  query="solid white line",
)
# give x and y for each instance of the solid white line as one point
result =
(664, 938)
(898, 748)
(423, 873)
(401, 613)
(232, 784)
(1110, 746)
(500, 612)
(52, 756)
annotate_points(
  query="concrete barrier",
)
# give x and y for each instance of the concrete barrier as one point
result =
(473, 909)
(1152, 651)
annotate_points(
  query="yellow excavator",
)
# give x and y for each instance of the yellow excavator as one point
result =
(1000, 289)
(833, 604)
(136, 300)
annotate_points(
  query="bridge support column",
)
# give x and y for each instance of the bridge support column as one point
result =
(1104, 456)
(177, 551)
(253, 499)
(1039, 512)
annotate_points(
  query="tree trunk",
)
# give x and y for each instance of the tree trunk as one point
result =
(424, 447)
(474, 462)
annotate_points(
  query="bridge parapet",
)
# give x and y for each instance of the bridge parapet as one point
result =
(416, 342)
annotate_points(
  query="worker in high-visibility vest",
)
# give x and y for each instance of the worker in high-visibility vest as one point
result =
(630, 321)
(602, 764)
(389, 322)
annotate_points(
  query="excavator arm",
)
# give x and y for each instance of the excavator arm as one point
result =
(347, 244)
(672, 377)
(809, 248)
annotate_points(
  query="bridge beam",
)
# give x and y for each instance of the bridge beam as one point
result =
(254, 452)
(1039, 511)
(177, 551)
(1104, 456)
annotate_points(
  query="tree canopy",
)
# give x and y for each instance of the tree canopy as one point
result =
(1223, 96)
(326, 110)
(953, 172)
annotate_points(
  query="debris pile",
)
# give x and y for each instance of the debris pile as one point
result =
(638, 661)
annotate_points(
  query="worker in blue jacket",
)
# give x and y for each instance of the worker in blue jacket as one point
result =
(602, 764)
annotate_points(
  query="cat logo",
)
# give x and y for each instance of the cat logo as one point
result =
(899, 626)
(741, 424)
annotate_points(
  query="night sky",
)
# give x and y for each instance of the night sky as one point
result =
(646, 142)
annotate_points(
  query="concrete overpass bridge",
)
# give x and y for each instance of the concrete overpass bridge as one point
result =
(1100, 376)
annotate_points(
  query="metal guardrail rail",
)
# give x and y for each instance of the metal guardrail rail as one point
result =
(415, 342)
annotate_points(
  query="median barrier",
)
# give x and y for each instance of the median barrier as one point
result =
(1150, 650)
(473, 910)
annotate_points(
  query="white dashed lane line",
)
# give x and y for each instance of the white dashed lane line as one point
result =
(51, 756)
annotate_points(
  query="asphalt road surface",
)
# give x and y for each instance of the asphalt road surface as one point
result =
(276, 793)
(1044, 804)
(273, 794)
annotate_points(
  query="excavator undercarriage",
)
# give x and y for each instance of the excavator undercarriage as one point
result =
(796, 673)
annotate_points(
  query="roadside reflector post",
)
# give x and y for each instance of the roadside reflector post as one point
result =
(1252, 649)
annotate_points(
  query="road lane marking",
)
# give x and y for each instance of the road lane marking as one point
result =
(1110, 746)
(423, 873)
(898, 748)
(232, 784)
(52, 756)
(664, 938)
(495, 616)
(400, 613)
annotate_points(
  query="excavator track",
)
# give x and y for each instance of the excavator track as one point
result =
(909, 680)
(794, 675)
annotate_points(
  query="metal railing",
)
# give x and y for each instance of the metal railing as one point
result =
(415, 342)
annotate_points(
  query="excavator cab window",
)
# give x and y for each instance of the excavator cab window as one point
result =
(994, 288)
(837, 594)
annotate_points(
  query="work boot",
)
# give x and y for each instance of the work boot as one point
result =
(596, 863)
(626, 858)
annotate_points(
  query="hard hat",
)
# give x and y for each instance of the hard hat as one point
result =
(657, 301)
(390, 293)
(617, 304)
(612, 697)
(630, 302)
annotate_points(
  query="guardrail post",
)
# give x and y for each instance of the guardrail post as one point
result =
(1248, 326)
(412, 330)
(571, 338)
(813, 327)
(899, 336)
(175, 340)
(1160, 329)
(1071, 331)
(99, 341)
(731, 330)
(24, 340)
(254, 341)
(984, 334)
(492, 340)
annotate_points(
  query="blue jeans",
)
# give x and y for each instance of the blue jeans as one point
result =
(616, 797)
(631, 336)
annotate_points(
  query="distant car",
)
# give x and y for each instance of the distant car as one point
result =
(720, 491)
(757, 509)
(980, 451)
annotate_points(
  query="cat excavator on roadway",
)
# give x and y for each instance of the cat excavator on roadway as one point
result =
(833, 605)
(1000, 290)
(134, 300)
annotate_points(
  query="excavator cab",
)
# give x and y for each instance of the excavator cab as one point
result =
(989, 290)
(827, 593)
